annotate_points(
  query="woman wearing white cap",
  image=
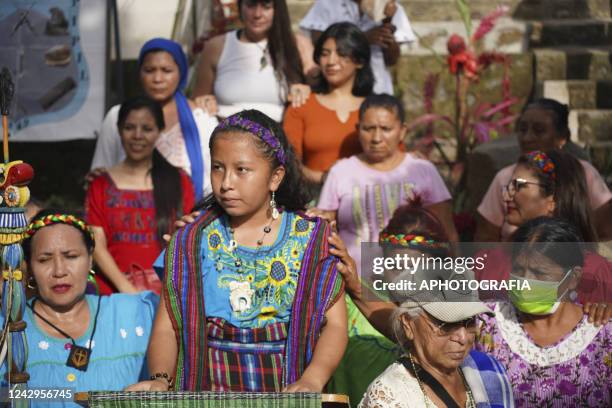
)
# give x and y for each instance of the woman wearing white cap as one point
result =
(437, 331)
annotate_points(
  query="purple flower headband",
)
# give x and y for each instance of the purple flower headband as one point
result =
(543, 162)
(237, 121)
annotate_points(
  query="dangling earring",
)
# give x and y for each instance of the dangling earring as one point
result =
(91, 282)
(273, 207)
(31, 283)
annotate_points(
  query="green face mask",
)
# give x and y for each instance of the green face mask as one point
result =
(540, 299)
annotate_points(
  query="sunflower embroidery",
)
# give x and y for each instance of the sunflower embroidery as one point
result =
(301, 227)
(214, 240)
(278, 272)
(296, 250)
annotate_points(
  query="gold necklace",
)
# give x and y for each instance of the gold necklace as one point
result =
(470, 403)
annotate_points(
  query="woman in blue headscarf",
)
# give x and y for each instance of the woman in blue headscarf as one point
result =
(184, 143)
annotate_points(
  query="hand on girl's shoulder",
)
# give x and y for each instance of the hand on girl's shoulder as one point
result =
(93, 175)
(314, 212)
(183, 221)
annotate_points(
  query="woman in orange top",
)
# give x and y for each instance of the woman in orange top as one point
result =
(324, 129)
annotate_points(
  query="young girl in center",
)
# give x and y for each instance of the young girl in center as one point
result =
(252, 299)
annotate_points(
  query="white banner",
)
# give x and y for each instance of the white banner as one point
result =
(55, 50)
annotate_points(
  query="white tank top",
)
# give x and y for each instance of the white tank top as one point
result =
(240, 79)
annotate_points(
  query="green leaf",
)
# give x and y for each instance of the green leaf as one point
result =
(466, 16)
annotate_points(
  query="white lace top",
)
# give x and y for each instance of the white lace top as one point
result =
(394, 388)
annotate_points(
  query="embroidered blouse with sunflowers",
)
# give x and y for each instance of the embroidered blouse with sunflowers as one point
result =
(250, 287)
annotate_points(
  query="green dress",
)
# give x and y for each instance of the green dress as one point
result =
(367, 355)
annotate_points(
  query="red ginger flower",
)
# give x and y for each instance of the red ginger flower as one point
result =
(460, 58)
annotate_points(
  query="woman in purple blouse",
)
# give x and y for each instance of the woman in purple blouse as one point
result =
(553, 356)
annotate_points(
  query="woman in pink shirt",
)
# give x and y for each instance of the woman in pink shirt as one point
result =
(543, 125)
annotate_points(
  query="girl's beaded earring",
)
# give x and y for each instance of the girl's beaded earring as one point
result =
(273, 207)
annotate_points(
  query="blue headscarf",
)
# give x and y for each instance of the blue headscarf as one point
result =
(185, 116)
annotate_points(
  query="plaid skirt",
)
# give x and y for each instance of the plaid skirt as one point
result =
(249, 360)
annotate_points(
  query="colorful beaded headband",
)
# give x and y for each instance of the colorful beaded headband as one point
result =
(255, 128)
(543, 162)
(53, 219)
(405, 239)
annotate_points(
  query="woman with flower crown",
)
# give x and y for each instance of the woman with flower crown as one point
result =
(76, 340)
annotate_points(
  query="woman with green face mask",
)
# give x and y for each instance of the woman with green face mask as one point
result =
(553, 356)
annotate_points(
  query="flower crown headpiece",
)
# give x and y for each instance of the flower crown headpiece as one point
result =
(543, 162)
(237, 121)
(53, 219)
(406, 240)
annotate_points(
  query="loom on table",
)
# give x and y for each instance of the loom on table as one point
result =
(14, 194)
(184, 399)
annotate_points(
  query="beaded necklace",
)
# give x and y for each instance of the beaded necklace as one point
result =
(233, 245)
(241, 292)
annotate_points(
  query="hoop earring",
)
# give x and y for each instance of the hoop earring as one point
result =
(273, 207)
(31, 283)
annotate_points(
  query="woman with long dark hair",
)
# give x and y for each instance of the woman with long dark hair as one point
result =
(256, 67)
(132, 205)
(324, 129)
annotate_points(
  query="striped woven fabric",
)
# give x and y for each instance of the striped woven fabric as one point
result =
(318, 288)
(203, 400)
(245, 359)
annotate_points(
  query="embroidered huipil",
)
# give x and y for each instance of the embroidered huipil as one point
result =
(128, 220)
(574, 372)
(264, 342)
(118, 348)
(270, 271)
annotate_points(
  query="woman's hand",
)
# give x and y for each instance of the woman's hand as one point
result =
(304, 385)
(381, 35)
(347, 266)
(89, 177)
(298, 94)
(152, 385)
(208, 103)
(599, 313)
(181, 222)
(326, 215)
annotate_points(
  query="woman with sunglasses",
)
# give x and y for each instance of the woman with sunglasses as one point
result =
(437, 330)
(553, 184)
(412, 231)
(544, 126)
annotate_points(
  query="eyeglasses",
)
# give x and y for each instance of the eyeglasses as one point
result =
(517, 184)
(444, 329)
